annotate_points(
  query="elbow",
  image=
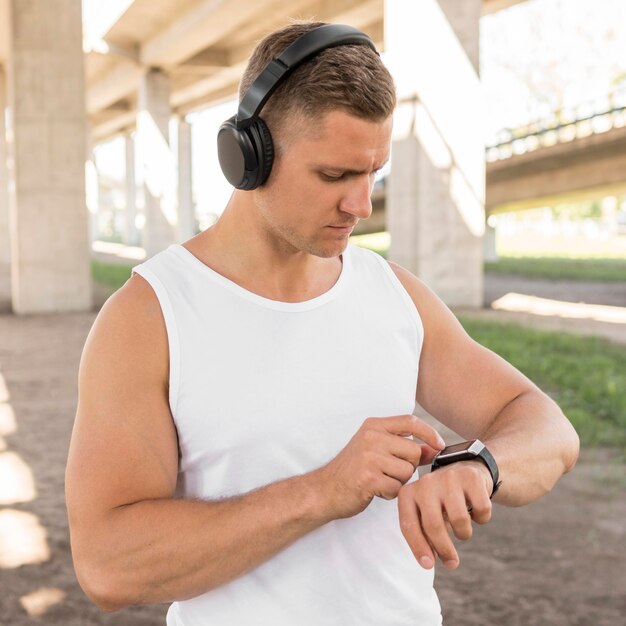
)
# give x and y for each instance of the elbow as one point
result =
(570, 448)
(101, 588)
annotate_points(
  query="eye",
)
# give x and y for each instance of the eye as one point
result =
(330, 177)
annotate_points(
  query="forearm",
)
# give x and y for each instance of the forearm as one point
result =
(534, 445)
(163, 550)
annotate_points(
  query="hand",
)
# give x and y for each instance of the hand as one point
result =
(377, 461)
(442, 502)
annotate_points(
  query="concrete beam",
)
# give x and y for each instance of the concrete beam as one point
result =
(184, 47)
(107, 126)
(202, 25)
(596, 162)
(117, 84)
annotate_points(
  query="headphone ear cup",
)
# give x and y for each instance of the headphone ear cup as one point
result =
(245, 155)
(236, 154)
(265, 151)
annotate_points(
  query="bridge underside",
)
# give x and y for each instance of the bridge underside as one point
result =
(586, 167)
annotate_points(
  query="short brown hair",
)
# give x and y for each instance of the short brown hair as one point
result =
(348, 77)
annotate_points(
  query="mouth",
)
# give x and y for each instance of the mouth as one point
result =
(344, 229)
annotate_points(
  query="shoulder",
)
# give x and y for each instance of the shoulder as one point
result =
(425, 299)
(130, 331)
(441, 327)
(134, 307)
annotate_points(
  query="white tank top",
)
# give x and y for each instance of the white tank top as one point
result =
(262, 390)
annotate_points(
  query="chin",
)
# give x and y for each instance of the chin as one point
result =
(329, 249)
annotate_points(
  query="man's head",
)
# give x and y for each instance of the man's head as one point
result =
(330, 119)
(351, 78)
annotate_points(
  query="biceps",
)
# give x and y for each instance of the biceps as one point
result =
(124, 446)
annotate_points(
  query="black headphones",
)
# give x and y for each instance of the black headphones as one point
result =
(244, 142)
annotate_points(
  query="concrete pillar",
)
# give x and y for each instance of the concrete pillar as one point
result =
(46, 140)
(490, 250)
(131, 235)
(5, 248)
(435, 198)
(186, 218)
(92, 188)
(159, 171)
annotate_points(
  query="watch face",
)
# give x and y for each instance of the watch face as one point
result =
(458, 447)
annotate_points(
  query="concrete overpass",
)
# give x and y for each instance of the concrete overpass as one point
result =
(570, 157)
(161, 59)
(202, 46)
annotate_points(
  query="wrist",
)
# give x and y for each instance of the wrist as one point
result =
(318, 507)
(474, 450)
(486, 474)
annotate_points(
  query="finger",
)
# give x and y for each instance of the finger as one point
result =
(457, 515)
(477, 497)
(386, 487)
(427, 454)
(406, 425)
(480, 507)
(405, 449)
(396, 468)
(412, 530)
(434, 528)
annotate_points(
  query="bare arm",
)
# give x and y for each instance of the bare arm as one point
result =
(479, 395)
(132, 542)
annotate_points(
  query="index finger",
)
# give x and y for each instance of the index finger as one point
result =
(406, 425)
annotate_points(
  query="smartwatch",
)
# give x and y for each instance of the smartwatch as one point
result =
(469, 451)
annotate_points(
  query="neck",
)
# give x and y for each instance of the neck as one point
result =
(241, 247)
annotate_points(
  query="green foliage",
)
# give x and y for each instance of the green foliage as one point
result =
(586, 376)
(110, 274)
(584, 209)
(611, 270)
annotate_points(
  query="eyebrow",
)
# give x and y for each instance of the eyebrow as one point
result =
(347, 171)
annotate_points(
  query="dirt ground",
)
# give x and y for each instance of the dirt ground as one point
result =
(559, 561)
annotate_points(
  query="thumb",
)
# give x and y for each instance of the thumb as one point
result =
(428, 454)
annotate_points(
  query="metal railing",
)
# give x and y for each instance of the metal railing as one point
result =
(562, 125)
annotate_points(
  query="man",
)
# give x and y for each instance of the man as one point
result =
(244, 444)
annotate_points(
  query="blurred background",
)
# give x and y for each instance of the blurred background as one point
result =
(506, 193)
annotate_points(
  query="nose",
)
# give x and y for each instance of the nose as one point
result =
(357, 199)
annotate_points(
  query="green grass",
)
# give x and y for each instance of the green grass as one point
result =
(110, 274)
(586, 376)
(379, 242)
(592, 269)
(611, 269)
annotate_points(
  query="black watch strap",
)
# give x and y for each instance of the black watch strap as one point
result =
(487, 458)
(483, 455)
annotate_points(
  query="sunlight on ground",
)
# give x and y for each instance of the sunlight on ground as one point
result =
(38, 602)
(4, 392)
(573, 310)
(23, 539)
(16, 480)
(7, 419)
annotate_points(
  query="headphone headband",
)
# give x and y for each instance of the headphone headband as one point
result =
(244, 142)
(303, 48)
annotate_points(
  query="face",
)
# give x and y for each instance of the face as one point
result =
(321, 185)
